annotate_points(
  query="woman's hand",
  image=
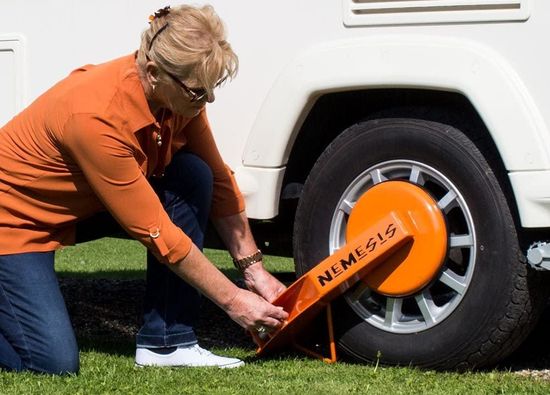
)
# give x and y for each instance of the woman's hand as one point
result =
(252, 312)
(261, 282)
(248, 309)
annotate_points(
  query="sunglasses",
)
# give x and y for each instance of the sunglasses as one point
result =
(195, 94)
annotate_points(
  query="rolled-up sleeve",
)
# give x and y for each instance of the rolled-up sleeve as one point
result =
(227, 198)
(109, 165)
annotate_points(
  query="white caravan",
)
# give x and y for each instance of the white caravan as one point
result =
(335, 96)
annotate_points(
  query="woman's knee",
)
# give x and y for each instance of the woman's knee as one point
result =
(60, 362)
(63, 365)
(57, 363)
(57, 353)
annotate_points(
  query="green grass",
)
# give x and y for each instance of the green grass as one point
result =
(103, 258)
(108, 368)
(106, 373)
(125, 259)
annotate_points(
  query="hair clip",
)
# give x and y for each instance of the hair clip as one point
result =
(160, 13)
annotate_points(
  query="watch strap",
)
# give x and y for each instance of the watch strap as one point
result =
(247, 261)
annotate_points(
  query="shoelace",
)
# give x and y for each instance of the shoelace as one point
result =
(201, 350)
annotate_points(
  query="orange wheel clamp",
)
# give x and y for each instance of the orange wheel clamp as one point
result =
(397, 242)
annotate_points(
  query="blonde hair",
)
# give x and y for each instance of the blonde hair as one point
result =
(189, 42)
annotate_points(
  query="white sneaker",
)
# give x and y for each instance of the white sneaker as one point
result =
(185, 356)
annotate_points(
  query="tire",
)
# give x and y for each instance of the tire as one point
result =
(484, 300)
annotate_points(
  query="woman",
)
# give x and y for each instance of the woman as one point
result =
(129, 136)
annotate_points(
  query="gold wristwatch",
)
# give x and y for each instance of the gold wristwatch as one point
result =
(245, 262)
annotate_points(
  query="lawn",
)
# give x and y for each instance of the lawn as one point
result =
(107, 365)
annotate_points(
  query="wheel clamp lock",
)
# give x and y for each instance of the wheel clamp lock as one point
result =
(391, 239)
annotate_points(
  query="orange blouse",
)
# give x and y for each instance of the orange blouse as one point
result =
(88, 144)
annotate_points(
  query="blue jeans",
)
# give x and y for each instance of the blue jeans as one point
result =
(172, 305)
(35, 329)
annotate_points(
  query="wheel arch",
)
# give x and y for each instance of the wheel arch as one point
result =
(428, 63)
(355, 79)
(334, 112)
